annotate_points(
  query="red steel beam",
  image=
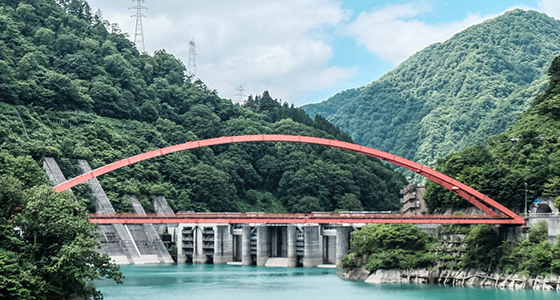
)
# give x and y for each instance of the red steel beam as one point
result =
(489, 206)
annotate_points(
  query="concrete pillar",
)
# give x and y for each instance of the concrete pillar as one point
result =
(273, 242)
(246, 245)
(292, 238)
(342, 242)
(223, 245)
(312, 251)
(198, 256)
(181, 258)
(283, 240)
(262, 245)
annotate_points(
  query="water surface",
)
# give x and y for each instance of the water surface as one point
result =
(223, 282)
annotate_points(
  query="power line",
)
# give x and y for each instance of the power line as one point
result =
(191, 68)
(139, 32)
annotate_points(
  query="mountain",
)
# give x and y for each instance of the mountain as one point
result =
(528, 152)
(452, 94)
(71, 89)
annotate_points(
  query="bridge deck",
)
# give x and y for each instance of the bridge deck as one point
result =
(320, 218)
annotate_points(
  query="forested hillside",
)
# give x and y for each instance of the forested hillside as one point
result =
(71, 89)
(452, 94)
(529, 151)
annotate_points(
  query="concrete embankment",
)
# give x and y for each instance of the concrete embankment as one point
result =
(471, 277)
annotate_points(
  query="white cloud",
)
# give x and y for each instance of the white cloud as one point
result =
(393, 33)
(550, 7)
(279, 45)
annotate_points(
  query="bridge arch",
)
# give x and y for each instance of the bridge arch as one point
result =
(478, 199)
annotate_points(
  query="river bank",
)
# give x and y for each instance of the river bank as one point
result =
(469, 277)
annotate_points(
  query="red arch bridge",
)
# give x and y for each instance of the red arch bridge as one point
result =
(495, 213)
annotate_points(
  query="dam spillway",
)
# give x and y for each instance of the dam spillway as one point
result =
(279, 245)
(124, 243)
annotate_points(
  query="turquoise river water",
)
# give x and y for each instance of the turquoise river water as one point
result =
(225, 282)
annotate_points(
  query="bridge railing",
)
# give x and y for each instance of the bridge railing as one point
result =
(539, 215)
(326, 215)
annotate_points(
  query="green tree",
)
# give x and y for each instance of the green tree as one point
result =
(350, 202)
(483, 248)
(211, 187)
(390, 246)
(307, 204)
(60, 244)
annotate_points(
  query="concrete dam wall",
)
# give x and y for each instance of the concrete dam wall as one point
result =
(278, 245)
(125, 244)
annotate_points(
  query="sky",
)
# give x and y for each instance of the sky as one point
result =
(301, 51)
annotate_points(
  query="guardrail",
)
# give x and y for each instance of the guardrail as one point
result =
(539, 215)
(322, 218)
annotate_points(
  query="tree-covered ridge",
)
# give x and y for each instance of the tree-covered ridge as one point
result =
(527, 152)
(72, 90)
(451, 94)
(250, 176)
(63, 58)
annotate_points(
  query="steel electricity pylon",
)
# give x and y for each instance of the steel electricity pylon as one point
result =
(191, 68)
(240, 95)
(139, 31)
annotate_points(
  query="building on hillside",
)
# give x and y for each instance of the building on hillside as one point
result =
(413, 200)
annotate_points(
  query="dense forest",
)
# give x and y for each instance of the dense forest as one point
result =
(529, 151)
(405, 247)
(451, 94)
(72, 87)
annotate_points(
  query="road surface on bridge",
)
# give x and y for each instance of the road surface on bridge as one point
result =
(317, 218)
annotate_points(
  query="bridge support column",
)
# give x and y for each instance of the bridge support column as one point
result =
(223, 245)
(342, 242)
(262, 245)
(292, 251)
(246, 245)
(312, 254)
(181, 257)
(198, 256)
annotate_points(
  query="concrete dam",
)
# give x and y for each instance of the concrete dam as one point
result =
(288, 245)
(274, 245)
(124, 243)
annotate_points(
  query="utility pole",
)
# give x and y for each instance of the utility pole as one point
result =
(139, 32)
(525, 183)
(240, 96)
(191, 69)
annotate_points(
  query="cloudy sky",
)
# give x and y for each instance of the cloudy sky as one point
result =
(302, 51)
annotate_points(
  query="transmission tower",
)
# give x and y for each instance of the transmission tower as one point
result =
(139, 32)
(191, 69)
(240, 96)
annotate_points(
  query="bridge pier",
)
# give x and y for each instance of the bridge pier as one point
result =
(223, 245)
(291, 233)
(246, 258)
(312, 254)
(342, 242)
(262, 245)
